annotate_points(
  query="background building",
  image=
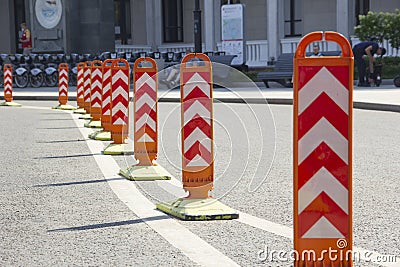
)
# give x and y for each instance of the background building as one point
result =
(271, 27)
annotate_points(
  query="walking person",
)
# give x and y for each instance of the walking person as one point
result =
(26, 39)
(369, 49)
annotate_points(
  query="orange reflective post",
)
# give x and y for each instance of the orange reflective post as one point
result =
(197, 126)
(119, 108)
(322, 156)
(8, 87)
(86, 86)
(145, 112)
(145, 119)
(106, 96)
(197, 145)
(8, 83)
(96, 79)
(79, 89)
(63, 83)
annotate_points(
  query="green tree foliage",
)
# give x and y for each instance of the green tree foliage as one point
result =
(380, 26)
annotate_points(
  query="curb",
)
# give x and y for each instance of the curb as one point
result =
(272, 101)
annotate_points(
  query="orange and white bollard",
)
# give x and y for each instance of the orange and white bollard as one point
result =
(8, 87)
(87, 75)
(63, 88)
(120, 109)
(197, 145)
(79, 89)
(322, 139)
(145, 123)
(95, 94)
(105, 134)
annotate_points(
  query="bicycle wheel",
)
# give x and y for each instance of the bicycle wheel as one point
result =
(22, 80)
(396, 81)
(51, 80)
(37, 80)
(72, 79)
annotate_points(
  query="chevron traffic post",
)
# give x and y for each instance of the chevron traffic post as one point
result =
(105, 133)
(119, 109)
(87, 74)
(197, 145)
(63, 88)
(96, 79)
(322, 154)
(8, 87)
(79, 89)
(145, 124)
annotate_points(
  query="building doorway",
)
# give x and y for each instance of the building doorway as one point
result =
(122, 21)
(19, 17)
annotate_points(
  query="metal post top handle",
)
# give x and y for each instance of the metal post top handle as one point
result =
(191, 56)
(319, 36)
(144, 62)
(120, 63)
(96, 63)
(63, 66)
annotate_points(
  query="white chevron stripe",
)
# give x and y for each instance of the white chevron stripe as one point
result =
(196, 81)
(96, 83)
(7, 79)
(63, 93)
(96, 95)
(324, 81)
(106, 101)
(8, 73)
(119, 121)
(196, 109)
(146, 119)
(145, 138)
(323, 229)
(120, 75)
(87, 72)
(323, 181)
(96, 72)
(106, 74)
(145, 78)
(120, 107)
(120, 91)
(80, 81)
(64, 79)
(323, 131)
(198, 161)
(106, 88)
(197, 135)
(145, 99)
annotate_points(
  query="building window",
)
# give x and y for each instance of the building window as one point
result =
(122, 21)
(293, 15)
(362, 8)
(172, 21)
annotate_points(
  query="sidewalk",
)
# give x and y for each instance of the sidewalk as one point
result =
(385, 98)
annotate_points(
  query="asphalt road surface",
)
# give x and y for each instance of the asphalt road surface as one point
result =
(57, 207)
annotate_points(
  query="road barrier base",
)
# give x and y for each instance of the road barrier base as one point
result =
(85, 117)
(145, 173)
(118, 149)
(93, 124)
(101, 136)
(80, 111)
(198, 209)
(64, 107)
(10, 104)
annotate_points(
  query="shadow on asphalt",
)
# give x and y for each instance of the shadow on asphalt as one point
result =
(80, 182)
(60, 141)
(111, 224)
(68, 156)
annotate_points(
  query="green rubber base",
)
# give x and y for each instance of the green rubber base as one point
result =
(85, 117)
(145, 173)
(198, 209)
(80, 111)
(64, 107)
(93, 124)
(118, 149)
(10, 104)
(101, 135)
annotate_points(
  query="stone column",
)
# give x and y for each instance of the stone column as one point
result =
(342, 17)
(209, 25)
(272, 28)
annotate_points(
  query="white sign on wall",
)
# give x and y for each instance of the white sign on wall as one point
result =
(233, 33)
(48, 12)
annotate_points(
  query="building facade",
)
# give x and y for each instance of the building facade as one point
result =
(271, 27)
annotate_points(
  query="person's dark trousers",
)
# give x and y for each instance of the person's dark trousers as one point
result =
(358, 57)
